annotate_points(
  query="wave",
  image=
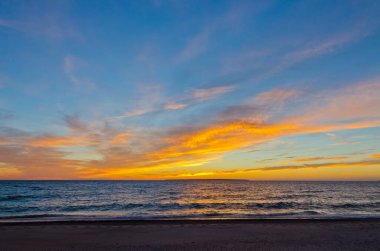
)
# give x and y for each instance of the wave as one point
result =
(15, 197)
(158, 216)
(274, 205)
(179, 206)
(100, 207)
(356, 205)
(31, 216)
(189, 216)
(195, 207)
(211, 215)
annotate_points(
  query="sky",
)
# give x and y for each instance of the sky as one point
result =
(261, 90)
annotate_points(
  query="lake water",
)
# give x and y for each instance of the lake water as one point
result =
(46, 200)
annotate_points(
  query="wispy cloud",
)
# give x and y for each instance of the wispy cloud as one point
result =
(175, 106)
(327, 46)
(194, 46)
(155, 102)
(278, 95)
(209, 93)
(199, 42)
(49, 20)
(263, 63)
(151, 99)
(351, 103)
(262, 106)
(323, 165)
(71, 66)
(135, 113)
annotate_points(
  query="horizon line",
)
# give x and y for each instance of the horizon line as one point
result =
(261, 180)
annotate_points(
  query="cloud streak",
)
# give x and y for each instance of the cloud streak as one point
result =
(47, 21)
(191, 98)
(209, 93)
(364, 163)
(318, 159)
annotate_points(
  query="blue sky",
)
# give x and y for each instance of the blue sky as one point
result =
(183, 89)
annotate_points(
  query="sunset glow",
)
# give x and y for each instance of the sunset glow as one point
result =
(180, 90)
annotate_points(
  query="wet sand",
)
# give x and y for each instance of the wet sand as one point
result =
(318, 235)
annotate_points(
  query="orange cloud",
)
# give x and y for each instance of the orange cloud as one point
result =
(377, 156)
(3, 141)
(55, 141)
(35, 162)
(121, 138)
(194, 147)
(195, 174)
(202, 146)
(324, 165)
(318, 159)
(218, 139)
(60, 141)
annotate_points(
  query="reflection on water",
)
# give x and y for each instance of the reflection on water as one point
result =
(187, 199)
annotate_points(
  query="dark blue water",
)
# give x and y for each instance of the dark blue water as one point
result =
(43, 200)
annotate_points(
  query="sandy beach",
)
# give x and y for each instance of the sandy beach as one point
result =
(345, 234)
